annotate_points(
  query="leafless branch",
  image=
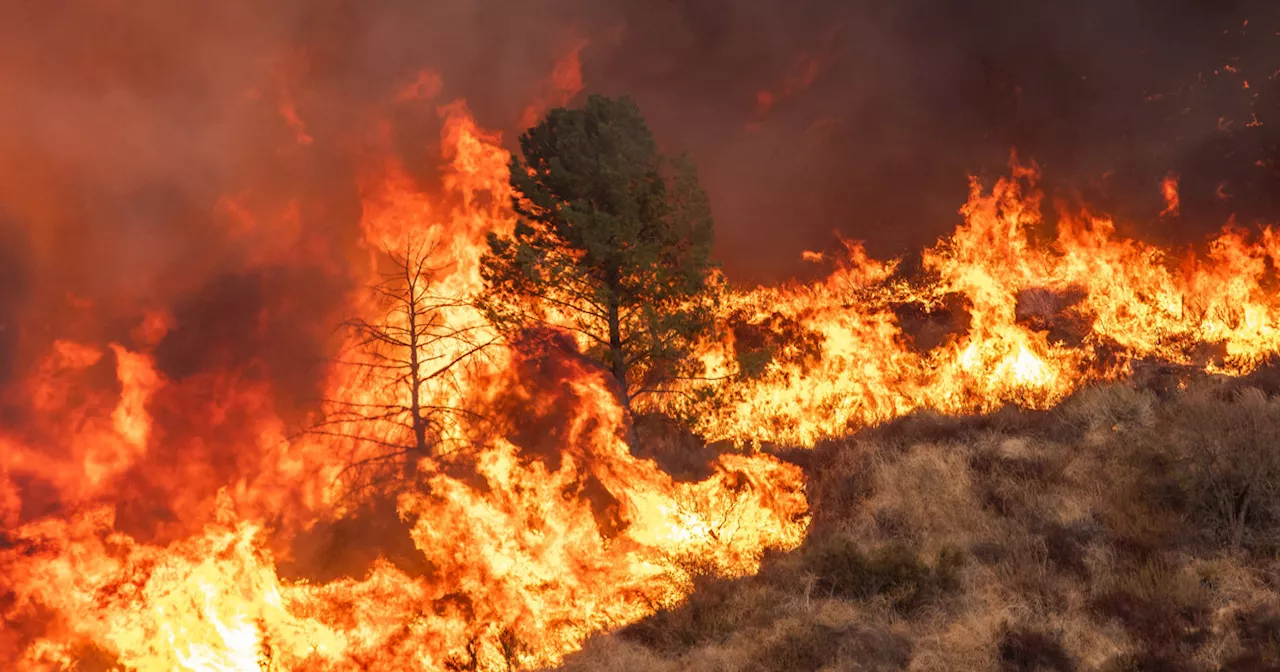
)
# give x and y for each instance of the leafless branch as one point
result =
(408, 357)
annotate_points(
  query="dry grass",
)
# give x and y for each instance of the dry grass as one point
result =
(1123, 530)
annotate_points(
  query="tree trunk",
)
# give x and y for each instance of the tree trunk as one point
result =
(420, 448)
(617, 359)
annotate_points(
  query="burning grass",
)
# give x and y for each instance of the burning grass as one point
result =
(157, 517)
(1098, 535)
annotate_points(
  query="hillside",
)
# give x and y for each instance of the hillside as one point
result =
(1132, 527)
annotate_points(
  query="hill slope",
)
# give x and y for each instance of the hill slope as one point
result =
(1122, 530)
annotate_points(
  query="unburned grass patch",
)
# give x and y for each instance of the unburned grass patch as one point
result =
(1258, 632)
(802, 644)
(1161, 604)
(893, 571)
(1025, 649)
(717, 608)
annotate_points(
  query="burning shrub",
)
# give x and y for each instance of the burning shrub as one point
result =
(929, 325)
(1054, 311)
(349, 547)
(673, 446)
(777, 339)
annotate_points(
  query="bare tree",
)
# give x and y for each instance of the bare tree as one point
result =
(398, 410)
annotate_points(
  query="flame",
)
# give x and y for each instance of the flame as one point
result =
(801, 74)
(425, 86)
(1169, 189)
(1041, 316)
(155, 521)
(565, 83)
(289, 112)
(530, 545)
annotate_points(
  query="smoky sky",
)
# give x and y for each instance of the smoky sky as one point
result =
(909, 97)
(124, 126)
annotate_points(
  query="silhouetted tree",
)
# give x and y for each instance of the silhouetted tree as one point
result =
(613, 242)
(407, 359)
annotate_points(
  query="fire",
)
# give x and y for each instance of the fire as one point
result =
(157, 521)
(533, 569)
(564, 84)
(1169, 189)
(529, 541)
(1041, 316)
(290, 114)
(801, 75)
(425, 86)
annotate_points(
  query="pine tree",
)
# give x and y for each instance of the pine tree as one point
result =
(613, 242)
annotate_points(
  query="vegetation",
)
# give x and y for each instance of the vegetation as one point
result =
(1123, 530)
(613, 239)
(413, 351)
(1134, 527)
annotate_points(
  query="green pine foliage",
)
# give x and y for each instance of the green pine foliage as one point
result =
(613, 239)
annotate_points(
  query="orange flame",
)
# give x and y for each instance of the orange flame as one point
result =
(290, 114)
(1020, 322)
(543, 527)
(530, 547)
(564, 84)
(1169, 189)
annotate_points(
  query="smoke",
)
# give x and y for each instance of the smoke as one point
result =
(182, 156)
(13, 282)
(877, 111)
(157, 148)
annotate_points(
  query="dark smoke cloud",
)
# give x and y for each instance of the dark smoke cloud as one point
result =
(126, 123)
(913, 95)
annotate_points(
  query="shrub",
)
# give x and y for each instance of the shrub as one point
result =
(717, 608)
(895, 571)
(1144, 503)
(807, 645)
(1149, 662)
(1066, 547)
(676, 449)
(929, 426)
(841, 477)
(1007, 485)
(1103, 408)
(1029, 469)
(1230, 450)
(1028, 650)
(607, 653)
(1161, 605)
(865, 649)
(1259, 634)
